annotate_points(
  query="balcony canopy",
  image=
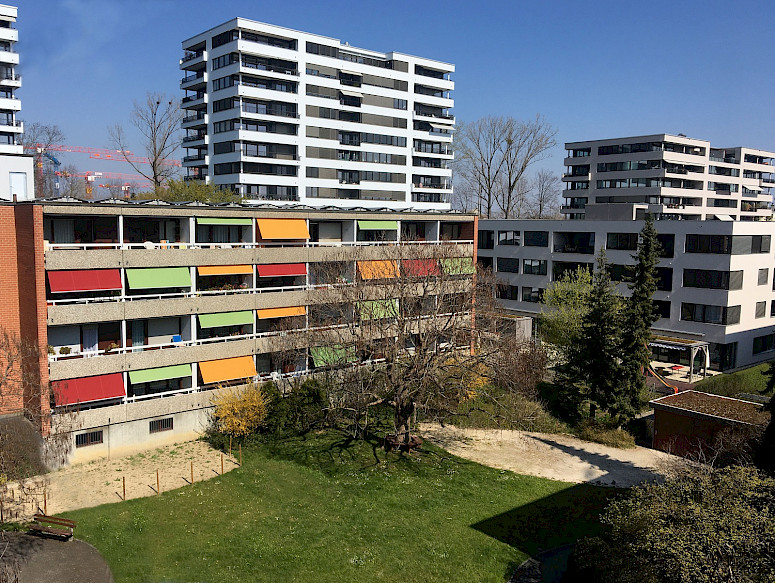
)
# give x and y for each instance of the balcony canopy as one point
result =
(332, 355)
(85, 389)
(246, 221)
(158, 277)
(378, 225)
(378, 269)
(282, 270)
(151, 375)
(225, 319)
(283, 229)
(267, 313)
(458, 266)
(225, 270)
(227, 369)
(378, 309)
(82, 280)
(420, 267)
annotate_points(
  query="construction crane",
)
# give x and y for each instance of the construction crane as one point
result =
(91, 179)
(56, 164)
(99, 153)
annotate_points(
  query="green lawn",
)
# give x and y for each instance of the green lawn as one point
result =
(323, 509)
(750, 380)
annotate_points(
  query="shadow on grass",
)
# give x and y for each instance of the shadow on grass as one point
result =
(550, 522)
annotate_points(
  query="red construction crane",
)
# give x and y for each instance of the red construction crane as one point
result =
(100, 153)
(91, 178)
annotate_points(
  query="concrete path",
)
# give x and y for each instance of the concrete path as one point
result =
(555, 456)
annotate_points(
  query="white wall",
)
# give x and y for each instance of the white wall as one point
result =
(10, 163)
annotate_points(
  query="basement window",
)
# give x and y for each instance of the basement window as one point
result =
(158, 425)
(89, 438)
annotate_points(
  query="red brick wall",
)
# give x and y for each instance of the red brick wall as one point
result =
(682, 434)
(23, 306)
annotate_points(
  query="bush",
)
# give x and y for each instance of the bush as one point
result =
(239, 412)
(601, 431)
(751, 380)
(303, 408)
(506, 411)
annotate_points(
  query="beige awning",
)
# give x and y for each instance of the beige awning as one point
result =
(441, 126)
(351, 93)
(752, 187)
(351, 73)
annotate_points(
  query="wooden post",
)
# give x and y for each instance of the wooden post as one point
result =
(221, 463)
(45, 503)
(192, 472)
(230, 446)
(123, 481)
(240, 455)
(158, 489)
(1, 512)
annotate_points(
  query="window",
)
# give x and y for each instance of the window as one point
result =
(486, 239)
(761, 309)
(225, 82)
(508, 292)
(225, 37)
(710, 314)
(313, 172)
(622, 241)
(772, 309)
(224, 60)
(536, 239)
(484, 262)
(508, 237)
(534, 266)
(532, 294)
(663, 308)
(667, 244)
(89, 438)
(712, 279)
(399, 103)
(158, 425)
(764, 275)
(708, 244)
(508, 265)
(764, 343)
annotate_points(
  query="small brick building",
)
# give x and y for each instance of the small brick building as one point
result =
(684, 422)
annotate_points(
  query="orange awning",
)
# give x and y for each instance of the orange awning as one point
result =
(227, 369)
(282, 229)
(378, 269)
(225, 270)
(266, 313)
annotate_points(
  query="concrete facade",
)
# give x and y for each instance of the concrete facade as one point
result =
(288, 116)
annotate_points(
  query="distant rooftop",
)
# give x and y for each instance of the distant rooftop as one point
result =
(714, 406)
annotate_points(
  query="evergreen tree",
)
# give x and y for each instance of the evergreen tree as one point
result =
(601, 342)
(640, 313)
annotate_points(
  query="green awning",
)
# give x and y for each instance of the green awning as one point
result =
(226, 319)
(458, 266)
(378, 225)
(247, 221)
(158, 277)
(332, 355)
(378, 309)
(150, 375)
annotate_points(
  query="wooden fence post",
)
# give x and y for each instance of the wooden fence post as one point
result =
(221, 463)
(158, 488)
(240, 455)
(45, 502)
(123, 482)
(192, 472)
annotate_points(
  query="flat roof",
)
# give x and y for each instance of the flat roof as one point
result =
(710, 406)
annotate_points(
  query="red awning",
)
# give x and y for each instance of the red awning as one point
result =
(84, 280)
(72, 391)
(420, 267)
(282, 269)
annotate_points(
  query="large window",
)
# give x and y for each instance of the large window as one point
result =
(536, 238)
(764, 343)
(532, 294)
(728, 244)
(622, 241)
(710, 314)
(667, 245)
(508, 292)
(534, 266)
(508, 265)
(508, 237)
(486, 239)
(712, 279)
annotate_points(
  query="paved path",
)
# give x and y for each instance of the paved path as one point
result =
(555, 456)
(40, 560)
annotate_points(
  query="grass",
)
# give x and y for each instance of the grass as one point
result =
(600, 432)
(323, 508)
(751, 380)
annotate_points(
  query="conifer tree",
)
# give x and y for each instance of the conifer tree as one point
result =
(640, 313)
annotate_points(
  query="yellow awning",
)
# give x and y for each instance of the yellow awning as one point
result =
(283, 229)
(266, 313)
(225, 270)
(227, 369)
(386, 269)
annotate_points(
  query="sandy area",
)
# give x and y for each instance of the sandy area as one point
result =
(559, 457)
(101, 481)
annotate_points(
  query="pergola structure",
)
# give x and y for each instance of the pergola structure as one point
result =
(693, 346)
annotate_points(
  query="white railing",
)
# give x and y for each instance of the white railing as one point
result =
(151, 245)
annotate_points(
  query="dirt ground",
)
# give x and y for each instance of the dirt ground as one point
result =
(559, 457)
(101, 481)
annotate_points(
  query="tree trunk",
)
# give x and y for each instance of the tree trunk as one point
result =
(592, 411)
(403, 421)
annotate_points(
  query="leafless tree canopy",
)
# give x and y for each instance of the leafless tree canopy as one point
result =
(493, 155)
(158, 121)
(37, 139)
(544, 202)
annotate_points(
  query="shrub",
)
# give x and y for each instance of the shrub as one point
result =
(603, 432)
(239, 412)
(299, 410)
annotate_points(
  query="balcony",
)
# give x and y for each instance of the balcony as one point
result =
(570, 176)
(195, 120)
(430, 197)
(192, 141)
(194, 80)
(193, 101)
(191, 59)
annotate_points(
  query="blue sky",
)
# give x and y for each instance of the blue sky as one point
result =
(594, 69)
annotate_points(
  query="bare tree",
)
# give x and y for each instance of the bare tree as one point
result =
(494, 154)
(480, 160)
(70, 183)
(37, 140)
(158, 121)
(545, 195)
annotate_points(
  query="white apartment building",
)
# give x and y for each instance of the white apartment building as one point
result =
(16, 169)
(297, 118)
(716, 284)
(671, 177)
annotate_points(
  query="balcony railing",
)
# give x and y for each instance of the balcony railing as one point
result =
(191, 56)
(583, 249)
(194, 158)
(187, 139)
(194, 118)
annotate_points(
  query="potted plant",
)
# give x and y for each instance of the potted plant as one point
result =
(113, 346)
(51, 349)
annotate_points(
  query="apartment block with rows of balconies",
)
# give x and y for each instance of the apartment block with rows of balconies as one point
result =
(287, 116)
(142, 310)
(671, 177)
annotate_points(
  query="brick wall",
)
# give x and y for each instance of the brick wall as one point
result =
(684, 434)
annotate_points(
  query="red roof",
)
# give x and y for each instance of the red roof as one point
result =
(72, 391)
(420, 267)
(84, 280)
(282, 269)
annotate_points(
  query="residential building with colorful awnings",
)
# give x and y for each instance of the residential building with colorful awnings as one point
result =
(158, 277)
(378, 269)
(84, 280)
(227, 369)
(87, 389)
(282, 270)
(282, 229)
